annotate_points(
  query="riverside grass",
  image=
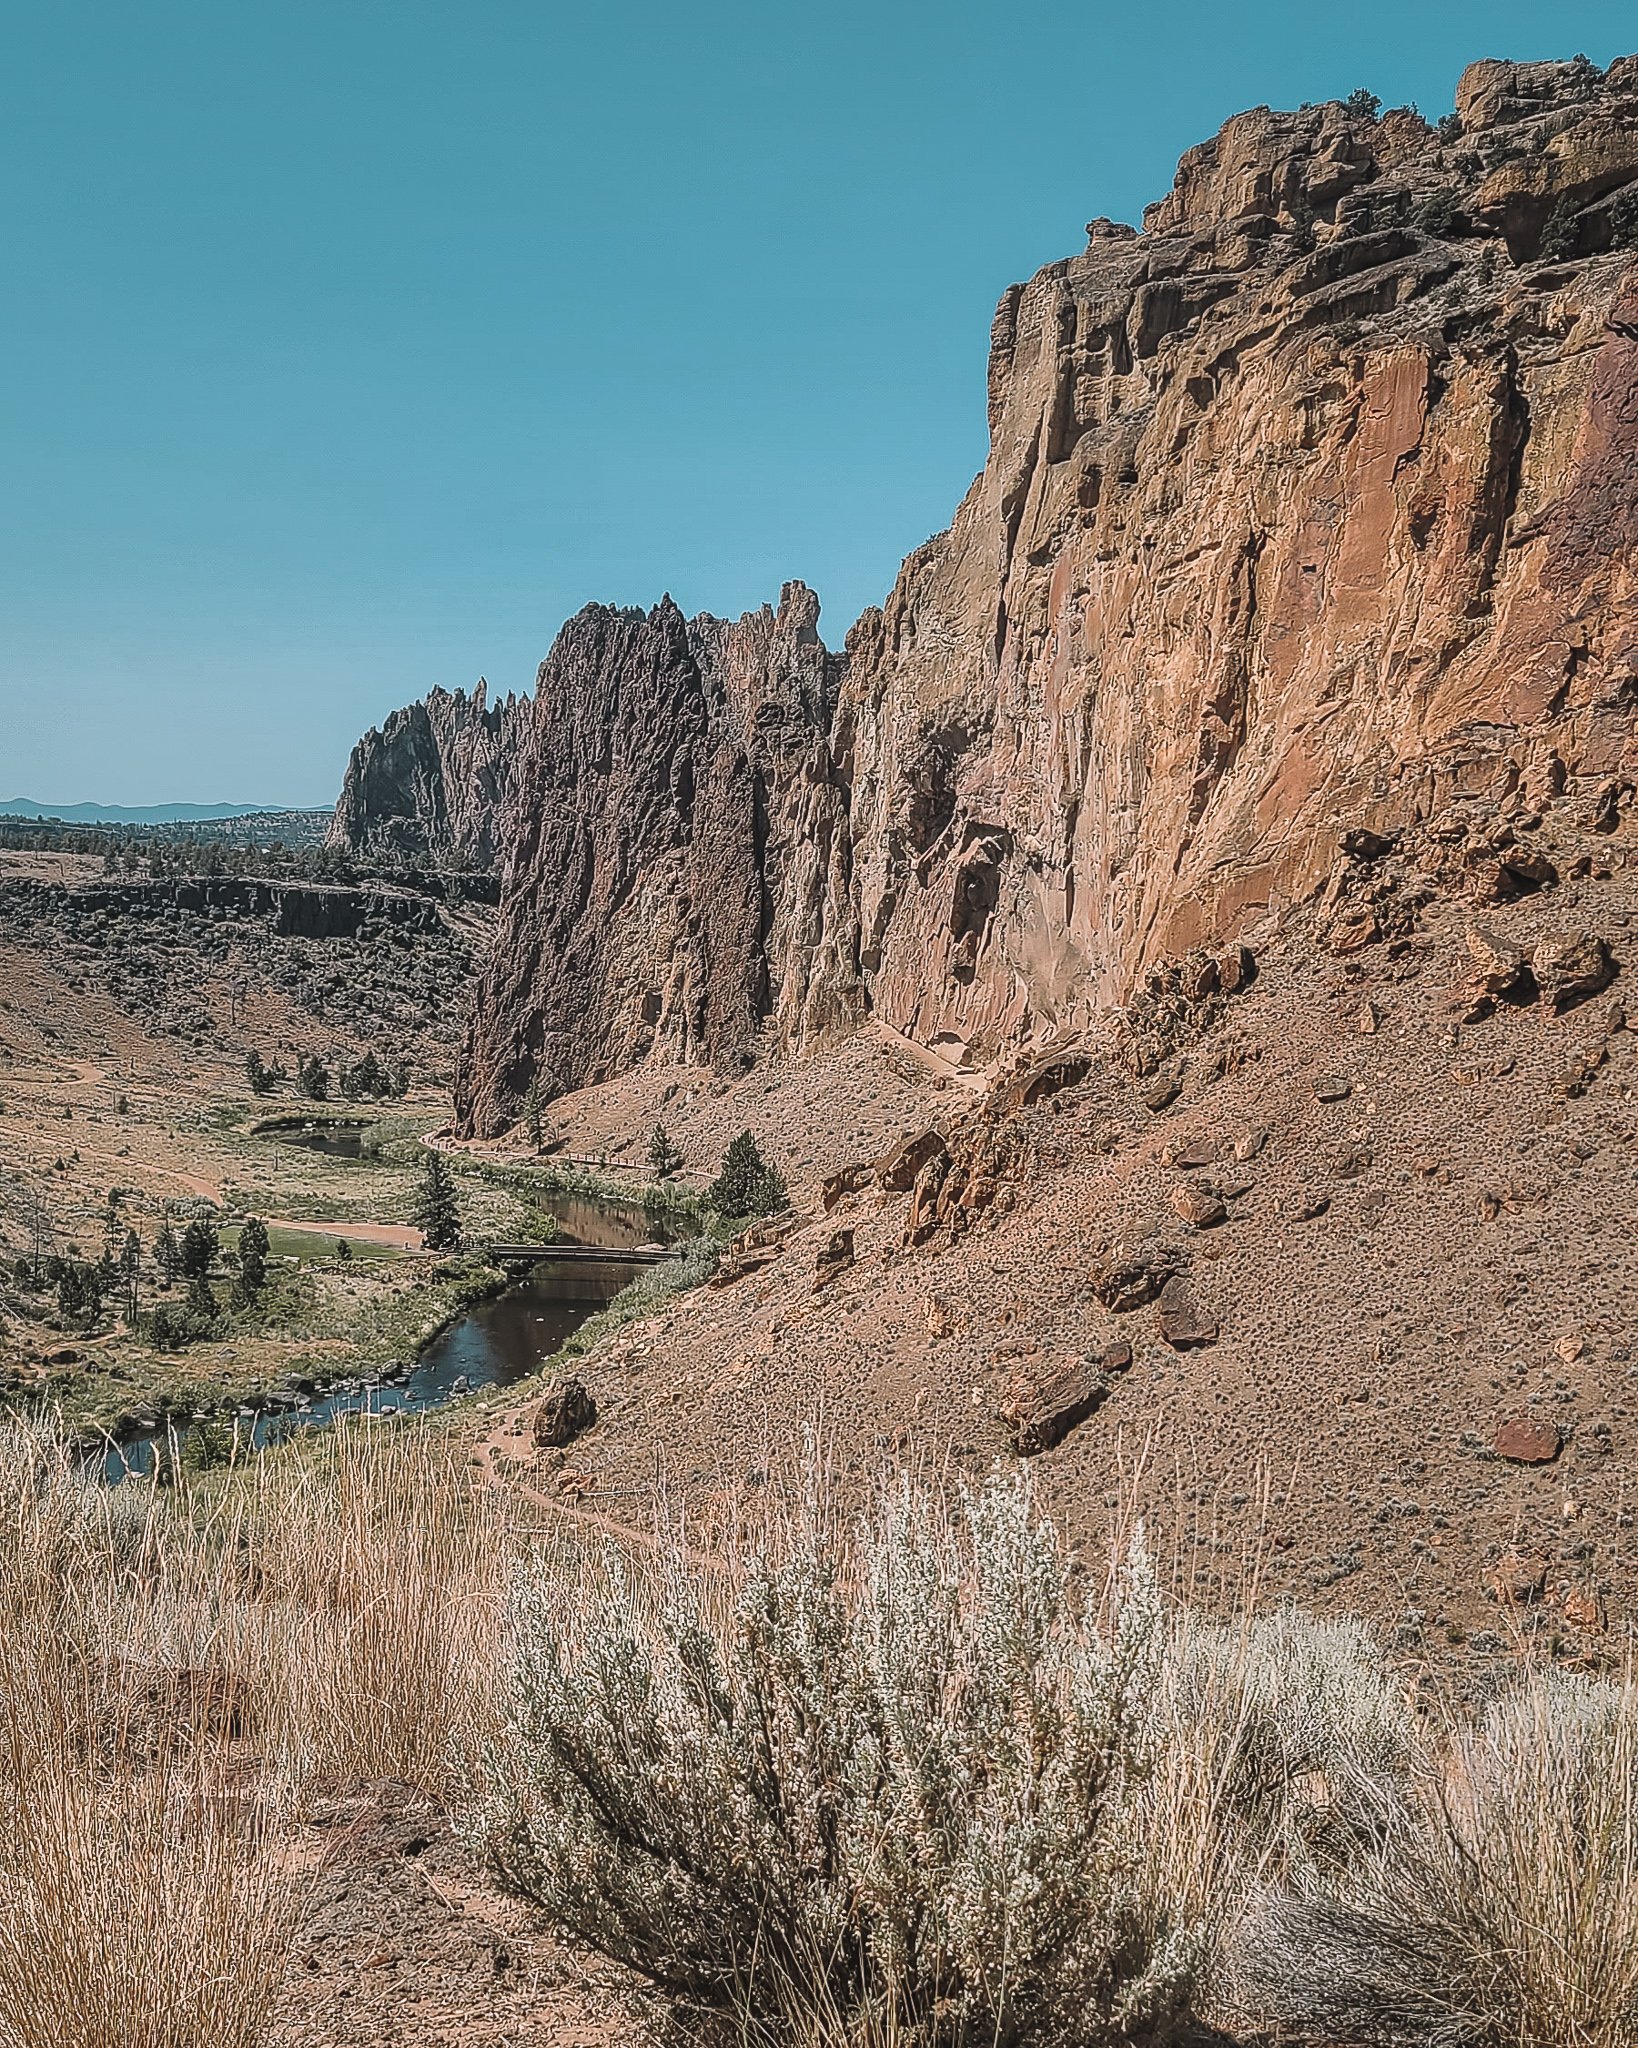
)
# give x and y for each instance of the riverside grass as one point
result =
(890, 1775)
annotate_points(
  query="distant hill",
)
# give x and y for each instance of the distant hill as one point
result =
(133, 814)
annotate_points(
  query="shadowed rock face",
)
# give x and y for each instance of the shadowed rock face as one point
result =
(1311, 506)
(663, 894)
(434, 781)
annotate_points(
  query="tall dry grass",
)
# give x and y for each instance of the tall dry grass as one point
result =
(890, 1777)
(139, 1900)
(1500, 1908)
(183, 1670)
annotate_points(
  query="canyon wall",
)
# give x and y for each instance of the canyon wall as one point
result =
(433, 782)
(1312, 505)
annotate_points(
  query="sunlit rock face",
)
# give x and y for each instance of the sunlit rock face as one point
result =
(1310, 506)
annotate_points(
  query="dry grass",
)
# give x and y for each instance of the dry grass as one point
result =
(377, 1578)
(885, 1780)
(183, 1670)
(139, 1902)
(1500, 1909)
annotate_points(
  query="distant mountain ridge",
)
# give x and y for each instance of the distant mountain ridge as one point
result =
(137, 814)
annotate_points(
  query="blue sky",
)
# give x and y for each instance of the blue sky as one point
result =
(351, 346)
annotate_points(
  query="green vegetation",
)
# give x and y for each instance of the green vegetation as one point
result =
(437, 1213)
(663, 1157)
(1363, 105)
(253, 1248)
(533, 1121)
(746, 1184)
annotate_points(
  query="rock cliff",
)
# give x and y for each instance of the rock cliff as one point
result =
(433, 782)
(1307, 508)
(659, 897)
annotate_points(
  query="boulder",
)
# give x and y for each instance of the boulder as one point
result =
(1527, 1440)
(898, 1170)
(1127, 1274)
(1183, 1323)
(847, 1180)
(834, 1258)
(1499, 966)
(1199, 1206)
(1040, 1408)
(567, 1411)
(1569, 965)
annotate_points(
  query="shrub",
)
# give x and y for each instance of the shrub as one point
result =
(1440, 214)
(199, 1248)
(896, 1778)
(1501, 1909)
(746, 1185)
(1363, 105)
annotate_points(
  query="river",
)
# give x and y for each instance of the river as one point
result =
(494, 1343)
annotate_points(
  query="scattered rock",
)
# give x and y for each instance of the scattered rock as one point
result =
(1527, 1440)
(1583, 1609)
(1500, 969)
(565, 1413)
(847, 1180)
(1040, 1409)
(1160, 1093)
(1116, 1357)
(1518, 1578)
(1195, 1152)
(942, 1320)
(1332, 1088)
(1249, 1144)
(899, 1169)
(1183, 1323)
(1571, 965)
(1199, 1206)
(1306, 1204)
(1128, 1274)
(834, 1258)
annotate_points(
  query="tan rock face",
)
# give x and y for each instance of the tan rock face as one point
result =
(1307, 509)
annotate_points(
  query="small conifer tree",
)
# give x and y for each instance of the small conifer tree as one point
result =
(167, 1252)
(252, 1261)
(437, 1213)
(747, 1185)
(663, 1156)
(199, 1244)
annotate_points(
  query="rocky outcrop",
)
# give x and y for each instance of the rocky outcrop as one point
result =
(678, 824)
(1308, 509)
(432, 784)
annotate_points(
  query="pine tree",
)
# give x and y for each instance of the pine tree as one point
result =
(258, 1073)
(437, 1213)
(252, 1261)
(202, 1306)
(531, 1117)
(167, 1252)
(663, 1156)
(199, 1244)
(130, 1266)
(747, 1185)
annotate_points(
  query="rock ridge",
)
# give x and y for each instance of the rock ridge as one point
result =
(1310, 508)
(433, 782)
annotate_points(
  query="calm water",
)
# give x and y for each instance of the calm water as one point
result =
(493, 1344)
(335, 1141)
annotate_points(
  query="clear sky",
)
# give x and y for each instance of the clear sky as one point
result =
(350, 345)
